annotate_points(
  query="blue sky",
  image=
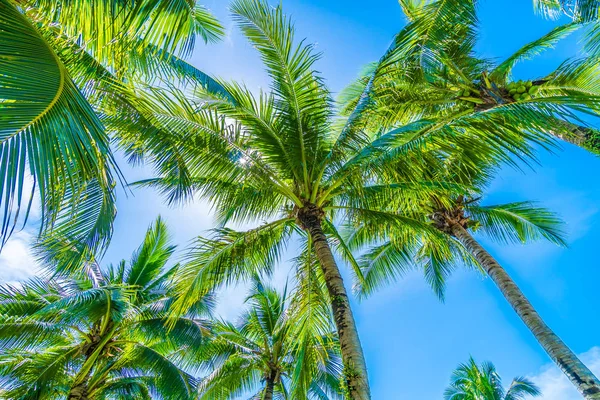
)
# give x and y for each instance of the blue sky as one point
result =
(412, 341)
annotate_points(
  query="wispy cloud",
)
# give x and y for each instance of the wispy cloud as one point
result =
(556, 386)
(16, 260)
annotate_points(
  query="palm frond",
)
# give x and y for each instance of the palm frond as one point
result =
(230, 256)
(47, 129)
(301, 96)
(149, 261)
(532, 49)
(518, 222)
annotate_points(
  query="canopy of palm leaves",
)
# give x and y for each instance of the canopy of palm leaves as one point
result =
(279, 155)
(102, 334)
(431, 82)
(61, 64)
(262, 354)
(404, 238)
(283, 157)
(481, 382)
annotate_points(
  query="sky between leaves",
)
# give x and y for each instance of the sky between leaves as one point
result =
(412, 342)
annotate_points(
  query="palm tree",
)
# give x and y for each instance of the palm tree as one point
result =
(102, 335)
(473, 382)
(63, 66)
(262, 351)
(436, 235)
(282, 157)
(432, 83)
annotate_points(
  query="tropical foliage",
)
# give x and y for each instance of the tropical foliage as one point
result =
(63, 63)
(578, 10)
(402, 162)
(432, 83)
(261, 353)
(437, 235)
(481, 382)
(102, 334)
(281, 156)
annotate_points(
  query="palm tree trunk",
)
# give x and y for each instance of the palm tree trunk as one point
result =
(581, 136)
(269, 388)
(583, 379)
(355, 368)
(79, 392)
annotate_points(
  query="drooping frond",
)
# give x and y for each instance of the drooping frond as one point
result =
(518, 223)
(81, 233)
(521, 388)
(48, 132)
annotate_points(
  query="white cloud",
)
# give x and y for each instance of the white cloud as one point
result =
(556, 386)
(16, 261)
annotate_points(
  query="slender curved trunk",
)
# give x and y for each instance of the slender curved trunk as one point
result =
(581, 136)
(355, 368)
(269, 388)
(585, 381)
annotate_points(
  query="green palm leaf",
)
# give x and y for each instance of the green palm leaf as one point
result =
(47, 129)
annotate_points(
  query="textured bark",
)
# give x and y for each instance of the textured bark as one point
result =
(581, 136)
(269, 389)
(79, 392)
(355, 369)
(585, 381)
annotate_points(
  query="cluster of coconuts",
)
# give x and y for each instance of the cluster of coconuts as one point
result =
(521, 90)
(465, 98)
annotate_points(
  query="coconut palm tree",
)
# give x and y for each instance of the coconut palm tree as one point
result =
(102, 334)
(473, 382)
(261, 353)
(432, 82)
(282, 157)
(437, 234)
(62, 66)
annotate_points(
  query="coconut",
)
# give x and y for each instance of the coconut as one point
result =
(521, 89)
(512, 91)
(533, 90)
(526, 96)
(529, 84)
(517, 97)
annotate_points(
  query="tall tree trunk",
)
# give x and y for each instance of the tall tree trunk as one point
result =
(585, 381)
(79, 392)
(581, 136)
(355, 368)
(269, 388)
